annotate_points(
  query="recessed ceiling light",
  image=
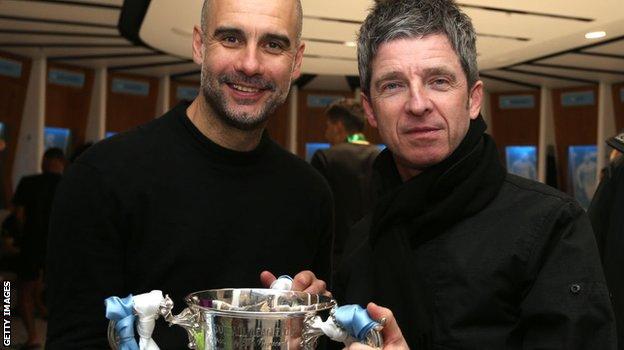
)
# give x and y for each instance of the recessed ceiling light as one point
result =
(595, 35)
(350, 43)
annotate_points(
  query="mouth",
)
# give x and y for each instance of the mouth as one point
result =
(422, 130)
(245, 89)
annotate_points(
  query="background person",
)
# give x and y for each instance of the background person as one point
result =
(606, 214)
(33, 202)
(347, 166)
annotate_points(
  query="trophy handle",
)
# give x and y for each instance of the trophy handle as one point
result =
(186, 319)
(314, 328)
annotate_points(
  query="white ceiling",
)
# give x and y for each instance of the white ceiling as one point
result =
(516, 38)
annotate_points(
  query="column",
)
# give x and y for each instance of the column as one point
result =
(546, 132)
(606, 124)
(30, 140)
(293, 105)
(96, 122)
(164, 87)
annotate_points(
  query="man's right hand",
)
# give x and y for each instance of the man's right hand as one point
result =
(393, 338)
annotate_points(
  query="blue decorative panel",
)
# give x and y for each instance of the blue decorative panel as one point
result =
(2, 131)
(578, 98)
(582, 172)
(312, 147)
(522, 161)
(321, 101)
(56, 137)
(516, 101)
(186, 93)
(131, 87)
(10, 68)
(622, 94)
(109, 134)
(66, 78)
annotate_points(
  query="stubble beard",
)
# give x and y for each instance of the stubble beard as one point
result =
(216, 99)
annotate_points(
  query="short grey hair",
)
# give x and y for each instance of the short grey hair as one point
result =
(391, 20)
(206, 10)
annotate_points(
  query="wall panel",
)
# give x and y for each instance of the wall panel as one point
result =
(125, 111)
(12, 98)
(574, 125)
(618, 106)
(515, 126)
(68, 106)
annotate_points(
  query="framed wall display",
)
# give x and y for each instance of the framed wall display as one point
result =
(2, 131)
(516, 101)
(522, 161)
(10, 68)
(582, 172)
(57, 137)
(312, 147)
(130, 87)
(186, 93)
(66, 78)
(109, 134)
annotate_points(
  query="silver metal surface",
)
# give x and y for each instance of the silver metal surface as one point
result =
(249, 319)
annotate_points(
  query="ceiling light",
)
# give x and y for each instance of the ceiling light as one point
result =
(350, 43)
(595, 35)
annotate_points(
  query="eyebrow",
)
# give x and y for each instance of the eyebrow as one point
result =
(221, 31)
(440, 71)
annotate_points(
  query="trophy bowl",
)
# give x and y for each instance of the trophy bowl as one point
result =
(268, 319)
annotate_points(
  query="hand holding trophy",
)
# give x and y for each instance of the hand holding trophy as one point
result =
(246, 318)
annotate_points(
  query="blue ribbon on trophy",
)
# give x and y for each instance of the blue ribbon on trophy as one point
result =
(121, 311)
(355, 320)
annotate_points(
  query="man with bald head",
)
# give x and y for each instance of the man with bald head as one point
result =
(199, 198)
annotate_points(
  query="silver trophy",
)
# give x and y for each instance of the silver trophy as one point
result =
(255, 319)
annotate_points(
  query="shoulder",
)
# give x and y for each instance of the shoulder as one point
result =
(293, 168)
(129, 147)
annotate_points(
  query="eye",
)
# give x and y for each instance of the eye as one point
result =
(274, 47)
(230, 41)
(391, 86)
(441, 83)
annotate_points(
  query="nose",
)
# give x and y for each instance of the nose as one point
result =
(249, 62)
(419, 103)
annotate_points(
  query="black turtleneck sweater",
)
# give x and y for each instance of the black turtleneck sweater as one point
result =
(163, 207)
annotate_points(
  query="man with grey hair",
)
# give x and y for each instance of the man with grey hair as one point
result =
(466, 255)
(199, 198)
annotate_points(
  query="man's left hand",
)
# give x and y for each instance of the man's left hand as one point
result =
(304, 281)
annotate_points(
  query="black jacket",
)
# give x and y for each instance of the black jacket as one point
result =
(606, 214)
(523, 273)
(347, 167)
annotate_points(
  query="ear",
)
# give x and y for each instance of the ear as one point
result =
(475, 99)
(198, 45)
(368, 110)
(298, 58)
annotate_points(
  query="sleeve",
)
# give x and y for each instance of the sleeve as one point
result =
(600, 210)
(19, 198)
(567, 306)
(323, 261)
(84, 263)
(319, 162)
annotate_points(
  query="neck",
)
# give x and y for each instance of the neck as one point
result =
(406, 173)
(219, 132)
